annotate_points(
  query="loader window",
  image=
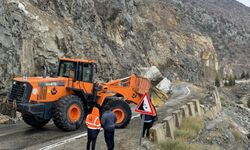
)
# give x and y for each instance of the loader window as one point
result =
(67, 69)
(87, 72)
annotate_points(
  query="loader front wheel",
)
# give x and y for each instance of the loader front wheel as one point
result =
(122, 111)
(68, 113)
(34, 121)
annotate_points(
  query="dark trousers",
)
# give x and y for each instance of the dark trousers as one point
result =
(147, 126)
(92, 136)
(109, 138)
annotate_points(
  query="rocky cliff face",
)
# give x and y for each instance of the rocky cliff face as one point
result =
(123, 36)
(227, 22)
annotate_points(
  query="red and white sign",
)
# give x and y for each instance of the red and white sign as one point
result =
(145, 106)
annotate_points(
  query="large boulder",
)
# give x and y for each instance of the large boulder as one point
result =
(152, 73)
(164, 85)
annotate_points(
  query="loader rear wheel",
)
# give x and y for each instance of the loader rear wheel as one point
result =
(34, 121)
(122, 111)
(68, 113)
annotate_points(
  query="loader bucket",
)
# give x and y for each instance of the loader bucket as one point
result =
(8, 108)
(142, 85)
(158, 96)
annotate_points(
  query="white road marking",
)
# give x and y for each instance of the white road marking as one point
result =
(186, 94)
(63, 142)
(135, 116)
(8, 133)
(73, 138)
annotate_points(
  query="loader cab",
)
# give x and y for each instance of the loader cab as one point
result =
(78, 70)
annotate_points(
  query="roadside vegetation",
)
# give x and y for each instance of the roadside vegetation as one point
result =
(189, 130)
(248, 102)
(230, 81)
(244, 75)
(217, 81)
(236, 133)
(222, 99)
(177, 145)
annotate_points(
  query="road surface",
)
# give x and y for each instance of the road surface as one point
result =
(21, 136)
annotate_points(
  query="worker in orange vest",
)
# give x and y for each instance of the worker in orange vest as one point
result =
(94, 125)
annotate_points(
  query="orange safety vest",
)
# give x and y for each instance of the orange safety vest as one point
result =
(93, 119)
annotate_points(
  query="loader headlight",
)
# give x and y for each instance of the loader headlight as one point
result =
(14, 82)
(24, 84)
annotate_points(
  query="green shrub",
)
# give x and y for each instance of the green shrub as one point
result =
(189, 129)
(237, 135)
(247, 76)
(217, 81)
(230, 81)
(235, 77)
(176, 145)
(248, 102)
(226, 83)
(184, 134)
(192, 123)
(243, 75)
(222, 99)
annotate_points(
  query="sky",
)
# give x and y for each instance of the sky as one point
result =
(245, 2)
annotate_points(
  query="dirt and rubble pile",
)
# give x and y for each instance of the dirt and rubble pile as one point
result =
(4, 119)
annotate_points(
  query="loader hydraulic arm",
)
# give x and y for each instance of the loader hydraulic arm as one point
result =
(130, 88)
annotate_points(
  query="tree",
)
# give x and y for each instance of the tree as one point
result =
(243, 75)
(217, 81)
(235, 77)
(231, 81)
(247, 76)
(226, 83)
(248, 102)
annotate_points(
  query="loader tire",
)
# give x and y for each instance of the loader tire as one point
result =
(121, 109)
(68, 113)
(34, 121)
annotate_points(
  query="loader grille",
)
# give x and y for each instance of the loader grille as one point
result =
(20, 92)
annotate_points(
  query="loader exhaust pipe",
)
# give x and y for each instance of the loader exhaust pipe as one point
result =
(45, 71)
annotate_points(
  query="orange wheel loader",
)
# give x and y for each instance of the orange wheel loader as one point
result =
(68, 97)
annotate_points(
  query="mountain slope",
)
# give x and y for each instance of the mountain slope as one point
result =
(227, 22)
(181, 37)
(123, 36)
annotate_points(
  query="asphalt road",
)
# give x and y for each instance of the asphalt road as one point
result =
(22, 136)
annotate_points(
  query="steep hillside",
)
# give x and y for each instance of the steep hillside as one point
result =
(231, 10)
(123, 36)
(227, 22)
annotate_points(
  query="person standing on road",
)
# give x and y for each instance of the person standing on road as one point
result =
(93, 125)
(148, 123)
(108, 121)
